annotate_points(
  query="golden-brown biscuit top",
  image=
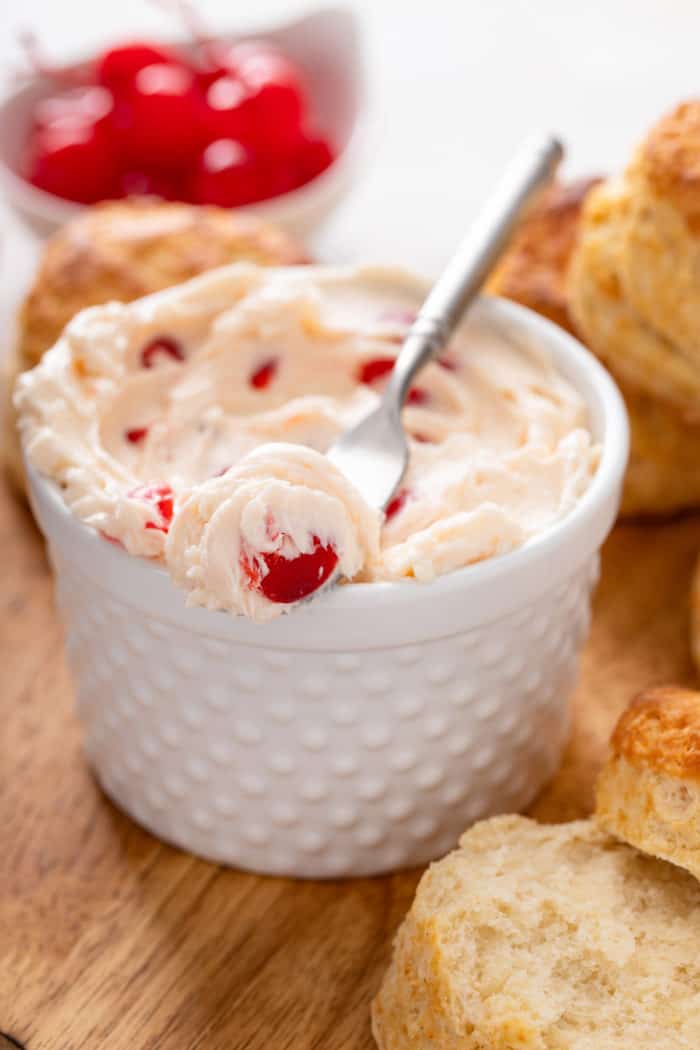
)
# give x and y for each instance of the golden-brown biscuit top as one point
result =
(124, 250)
(533, 270)
(670, 158)
(660, 730)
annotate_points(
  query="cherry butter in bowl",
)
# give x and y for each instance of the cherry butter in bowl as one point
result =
(272, 123)
(363, 731)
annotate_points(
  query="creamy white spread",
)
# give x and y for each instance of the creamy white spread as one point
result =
(191, 427)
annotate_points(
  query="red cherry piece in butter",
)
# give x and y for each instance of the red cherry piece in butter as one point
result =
(396, 504)
(447, 363)
(379, 367)
(291, 579)
(161, 496)
(135, 435)
(163, 346)
(375, 369)
(250, 570)
(417, 396)
(264, 374)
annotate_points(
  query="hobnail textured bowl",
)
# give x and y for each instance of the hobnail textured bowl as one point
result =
(361, 733)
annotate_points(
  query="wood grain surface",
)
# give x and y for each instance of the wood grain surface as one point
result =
(111, 940)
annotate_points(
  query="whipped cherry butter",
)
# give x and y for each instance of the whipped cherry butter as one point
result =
(190, 427)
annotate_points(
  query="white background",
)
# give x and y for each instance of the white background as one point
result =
(455, 86)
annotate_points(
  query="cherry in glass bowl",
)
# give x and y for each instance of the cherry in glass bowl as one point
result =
(324, 44)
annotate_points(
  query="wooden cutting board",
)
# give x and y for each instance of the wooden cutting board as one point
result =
(110, 940)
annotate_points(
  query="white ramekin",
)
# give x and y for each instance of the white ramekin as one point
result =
(362, 732)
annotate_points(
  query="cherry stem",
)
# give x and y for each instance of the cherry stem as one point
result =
(39, 65)
(193, 22)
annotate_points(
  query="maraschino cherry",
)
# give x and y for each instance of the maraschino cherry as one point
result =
(160, 496)
(276, 96)
(117, 67)
(75, 162)
(162, 115)
(288, 580)
(225, 124)
(226, 175)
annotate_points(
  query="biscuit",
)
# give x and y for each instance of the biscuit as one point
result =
(124, 250)
(127, 249)
(695, 615)
(533, 270)
(661, 249)
(663, 474)
(533, 937)
(648, 793)
(633, 350)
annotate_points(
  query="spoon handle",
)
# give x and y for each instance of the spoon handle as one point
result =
(471, 263)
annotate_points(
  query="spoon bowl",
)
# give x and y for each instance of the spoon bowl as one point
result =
(374, 454)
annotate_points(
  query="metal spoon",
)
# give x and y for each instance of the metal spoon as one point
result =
(374, 453)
